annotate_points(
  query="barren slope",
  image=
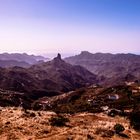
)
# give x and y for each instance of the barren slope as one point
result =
(16, 124)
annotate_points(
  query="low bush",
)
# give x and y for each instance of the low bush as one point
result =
(58, 121)
(119, 128)
(104, 132)
(135, 120)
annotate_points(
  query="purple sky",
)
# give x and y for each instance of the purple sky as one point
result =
(69, 26)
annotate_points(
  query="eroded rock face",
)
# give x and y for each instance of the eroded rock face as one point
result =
(59, 56)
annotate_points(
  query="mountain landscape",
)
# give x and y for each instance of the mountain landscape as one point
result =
(18, 59)
(86, 113)
(53, 76)
(12, 63)
(88, 96)
(112, 69)
(69, 70)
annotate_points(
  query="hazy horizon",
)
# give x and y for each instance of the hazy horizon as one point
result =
(69, 26)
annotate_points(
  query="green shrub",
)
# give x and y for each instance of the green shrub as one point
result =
(58, 121)
(104, 132)
(135, 120)
(112, 113)
(119, 128)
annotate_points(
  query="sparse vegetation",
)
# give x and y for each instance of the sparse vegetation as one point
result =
(105, 132)
(119, 128)
(85, 125)
(135, 119)
(59, 121)
(89, 137)
(112, 113)
(28, 114)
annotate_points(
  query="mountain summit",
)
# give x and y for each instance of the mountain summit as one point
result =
(58, 57)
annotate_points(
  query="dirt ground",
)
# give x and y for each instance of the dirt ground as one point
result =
(15, 124)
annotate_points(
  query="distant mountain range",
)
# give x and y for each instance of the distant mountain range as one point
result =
(39, 78)
(43, 78)
(110, 68)
(21, 60)
(12, 63)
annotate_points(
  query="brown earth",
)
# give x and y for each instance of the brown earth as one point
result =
(15, 124)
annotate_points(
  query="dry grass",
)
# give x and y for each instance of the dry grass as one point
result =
(17, 125)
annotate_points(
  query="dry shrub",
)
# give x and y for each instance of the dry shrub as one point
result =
(59, 121)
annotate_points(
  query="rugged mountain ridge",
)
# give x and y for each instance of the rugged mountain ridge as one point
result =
(19, 58)
(12, 63)
(111, 68)
(47, 78)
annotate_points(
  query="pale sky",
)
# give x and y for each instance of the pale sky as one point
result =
(70, 26)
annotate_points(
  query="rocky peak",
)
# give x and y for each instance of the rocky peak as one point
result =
(57, 61)
(84, 52)
(58, 58)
